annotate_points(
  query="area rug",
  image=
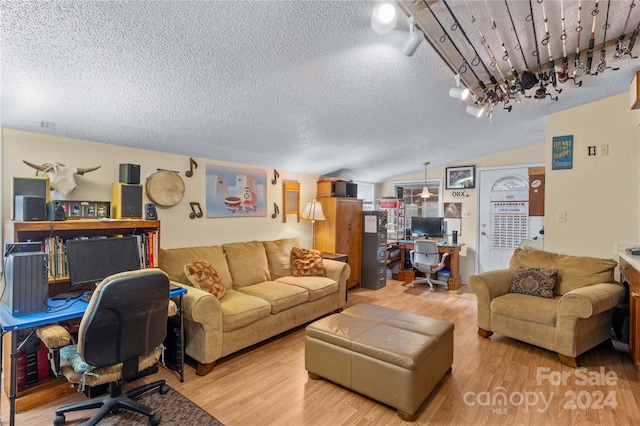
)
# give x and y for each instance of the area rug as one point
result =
(174, 408)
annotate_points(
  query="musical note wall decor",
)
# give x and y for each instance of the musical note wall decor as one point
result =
(192, 165)
(276, 175)
(193, 213)
(276, 211)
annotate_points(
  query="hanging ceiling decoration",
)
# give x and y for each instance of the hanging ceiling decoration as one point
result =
(531, 34)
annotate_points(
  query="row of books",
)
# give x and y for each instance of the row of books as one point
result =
(148, 248)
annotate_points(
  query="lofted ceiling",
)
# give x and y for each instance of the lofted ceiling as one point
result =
(305, 86)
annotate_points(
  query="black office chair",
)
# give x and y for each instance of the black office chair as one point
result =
(119, 340)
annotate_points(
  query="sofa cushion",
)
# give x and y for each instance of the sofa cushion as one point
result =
(279, 256)
(527, 308)
(573, 271)
(534, 281)
(307, 263)
(279, 295)
(240, 310)
(172, 261)
(247, 263)
(318, 287)
(202, 275)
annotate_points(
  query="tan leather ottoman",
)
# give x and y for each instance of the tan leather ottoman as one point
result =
(392, 356)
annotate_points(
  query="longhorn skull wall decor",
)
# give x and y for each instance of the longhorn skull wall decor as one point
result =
(62, 178)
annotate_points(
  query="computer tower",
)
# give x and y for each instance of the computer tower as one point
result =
(173, 347)
(26, 283)
(374, 250)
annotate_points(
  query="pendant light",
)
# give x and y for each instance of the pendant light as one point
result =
(425, 191)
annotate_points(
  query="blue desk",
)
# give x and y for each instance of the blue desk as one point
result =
(59, 310)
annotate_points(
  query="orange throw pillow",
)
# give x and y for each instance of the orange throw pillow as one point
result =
(202, 275)
(307, 263)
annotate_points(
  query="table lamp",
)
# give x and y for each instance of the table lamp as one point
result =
(313, 211)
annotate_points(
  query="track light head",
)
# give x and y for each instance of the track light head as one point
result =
(415, 38)
(459, 92)
(476, 111)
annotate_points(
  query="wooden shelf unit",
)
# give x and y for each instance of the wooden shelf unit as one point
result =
(341, 232)
(631, 275)
(51, 389)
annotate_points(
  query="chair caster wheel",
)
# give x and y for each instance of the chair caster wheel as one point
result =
(413, 286)
(164, 389)
(154, 421)
(431, 290)
(58, 420)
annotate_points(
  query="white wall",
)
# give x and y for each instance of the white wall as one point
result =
(600, 194)
(177, 230)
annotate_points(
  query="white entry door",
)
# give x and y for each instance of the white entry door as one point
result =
(504, 215)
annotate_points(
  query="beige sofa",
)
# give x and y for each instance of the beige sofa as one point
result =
(262, 298)
(574, 320)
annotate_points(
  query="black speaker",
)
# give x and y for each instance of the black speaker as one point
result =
(126, 201)
(150, 212)
(346, 189)
(55, 211)
(130, 173)
(454, 237)
(29, 207)
(400, 192)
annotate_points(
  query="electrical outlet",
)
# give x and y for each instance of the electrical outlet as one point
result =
(465, 214)
(604, 149)
(592, 150)
(561, 217)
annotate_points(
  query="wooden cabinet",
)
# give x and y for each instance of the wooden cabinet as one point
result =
(341, 232)
(49, 389)
(631, 275)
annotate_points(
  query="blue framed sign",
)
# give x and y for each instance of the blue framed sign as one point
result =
(562, 154)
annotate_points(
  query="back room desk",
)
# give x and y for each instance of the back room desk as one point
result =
(452, 262)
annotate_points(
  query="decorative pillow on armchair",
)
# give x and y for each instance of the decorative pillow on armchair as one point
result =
(202, 275)
(307, 263)
(535, 281)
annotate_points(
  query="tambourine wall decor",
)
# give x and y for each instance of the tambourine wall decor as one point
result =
(165, 188)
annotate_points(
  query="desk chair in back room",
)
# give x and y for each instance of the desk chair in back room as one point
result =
(426, 258)
(119, 340)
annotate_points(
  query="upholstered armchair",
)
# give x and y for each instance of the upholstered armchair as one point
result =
(568, 307)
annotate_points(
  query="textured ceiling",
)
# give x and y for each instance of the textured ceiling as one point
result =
(305, 86)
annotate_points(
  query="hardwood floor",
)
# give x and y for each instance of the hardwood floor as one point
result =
(268, 384)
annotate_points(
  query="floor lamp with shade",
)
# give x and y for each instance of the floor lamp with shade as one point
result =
(313, 211)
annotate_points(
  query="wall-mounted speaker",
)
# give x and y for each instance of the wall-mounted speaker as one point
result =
(150, 212)
(55, 211)
(130, 173)
(29, 207)
(126, 201)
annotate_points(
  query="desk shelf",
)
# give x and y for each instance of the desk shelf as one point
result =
(47, 390)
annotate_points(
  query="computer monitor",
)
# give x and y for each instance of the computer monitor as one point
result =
(432, 227)
(92, 260)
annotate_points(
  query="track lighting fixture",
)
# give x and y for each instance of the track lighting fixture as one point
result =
(415, 38)
(476, 111)
(383, 18)
(459, 92)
